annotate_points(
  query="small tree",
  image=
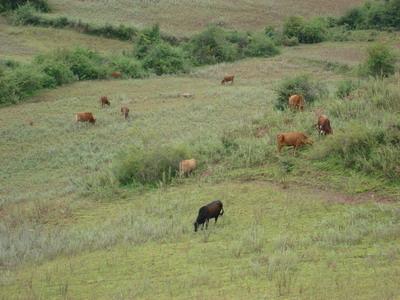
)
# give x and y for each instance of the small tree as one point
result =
(380, 61)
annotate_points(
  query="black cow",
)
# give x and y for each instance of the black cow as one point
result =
(207, 212)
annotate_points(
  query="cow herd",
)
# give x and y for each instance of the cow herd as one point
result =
(286, 139)
(89, 117)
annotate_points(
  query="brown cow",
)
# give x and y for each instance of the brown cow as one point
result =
(295, 139)
(125, 112)
(296, 102)
(116, 74)
(187, 166)
(324, 125)
(104, 101)
(229, 78)
(85, 117)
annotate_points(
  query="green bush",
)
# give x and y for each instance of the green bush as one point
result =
(41, 5)
(211, 46)
(302, 85)
(289, 41)
(380, 61)
(345, 88)
(260, 45)
(128, 66)
(165, 59)
(56, 69)
(148, 166)
(146, 41)
(26, 15)
(382, 14)
(85, 64)
(293, 26)
(313, 31)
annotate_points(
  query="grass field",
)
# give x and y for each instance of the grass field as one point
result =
(22, 43)
(187, 17)
(69, 231)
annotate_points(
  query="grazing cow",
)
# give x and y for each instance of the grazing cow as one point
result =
(116, 74)
(324, 125)
(85, 117)
(296, 102)
(229, 78)
(295, 139)
(125, 112)
(207, 212)
(104, 101)
(186, 166)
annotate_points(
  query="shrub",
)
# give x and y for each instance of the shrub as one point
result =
(84, 63)
(345, 88)
(29, 79)
(314, 31)
(211, 46)
(302, 85)
(56, 69)
(293, 26)
(165, 59)
(260, 45)
(148, 38)
(380, 61)
(25, 15)
(148, 166)
(129, 66)
(354, 18)
(41, 5)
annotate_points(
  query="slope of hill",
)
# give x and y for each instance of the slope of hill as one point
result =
(187, 17)
(295, 227)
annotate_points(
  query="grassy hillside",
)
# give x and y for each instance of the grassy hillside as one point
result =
(22, 43)
(324, 224)
(187, 17)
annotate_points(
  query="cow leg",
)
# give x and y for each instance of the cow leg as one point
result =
(216, 218)
(202, 226)
(207, 223)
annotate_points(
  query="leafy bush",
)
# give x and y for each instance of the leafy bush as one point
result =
(289, 41)
(301, 85)
(41, 5)
(26, 15)
(260, 45)
(56, 69)
(147, 39)
(313, 31)
(165, 59)
(211, 46)
(380, 61)
(293, 26)
(379, 15)
(345, 88)
(84, 63)
(128, 66)
(148, 166)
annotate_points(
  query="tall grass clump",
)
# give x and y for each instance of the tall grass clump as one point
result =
(380, 61)
(371, 150)
(41, 5)
(301, 85)
(138, 166)
(345, 88)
